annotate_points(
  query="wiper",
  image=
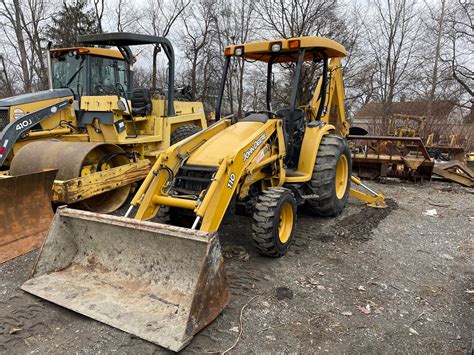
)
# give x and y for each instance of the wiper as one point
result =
(75, 73)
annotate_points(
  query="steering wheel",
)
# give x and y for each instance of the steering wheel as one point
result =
(103, 89)
(269, 113)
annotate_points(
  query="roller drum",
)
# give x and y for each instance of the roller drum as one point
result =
(70, 159)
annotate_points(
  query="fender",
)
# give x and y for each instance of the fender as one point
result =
(314, 133)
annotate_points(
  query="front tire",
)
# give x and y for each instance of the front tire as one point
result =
(274, 221)
(331, 179)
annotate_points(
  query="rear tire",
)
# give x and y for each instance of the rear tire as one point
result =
(183, 132)
(331, 179)
(274, 221)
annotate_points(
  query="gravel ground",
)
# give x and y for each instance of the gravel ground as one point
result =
(369, 281)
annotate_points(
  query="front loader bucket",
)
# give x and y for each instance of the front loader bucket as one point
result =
(25, 212)
(161, 283)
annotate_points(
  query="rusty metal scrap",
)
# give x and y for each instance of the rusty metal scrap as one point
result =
(24, 198)
(383, 156)
(455, 171)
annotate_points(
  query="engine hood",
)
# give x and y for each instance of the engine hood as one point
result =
(35, 97)
(224, 144)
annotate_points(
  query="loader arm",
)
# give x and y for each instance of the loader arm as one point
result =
(165, 168)
(212, 203)
(15, 129)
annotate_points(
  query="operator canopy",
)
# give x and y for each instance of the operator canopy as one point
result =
(287, 50)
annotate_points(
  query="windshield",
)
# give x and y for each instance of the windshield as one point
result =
(70, 71)
(256, 85)
(105, 74)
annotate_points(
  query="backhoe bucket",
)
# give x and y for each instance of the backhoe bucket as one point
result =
(161, 283)
(25, 212)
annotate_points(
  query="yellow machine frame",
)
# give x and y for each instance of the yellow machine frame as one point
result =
(235, 170)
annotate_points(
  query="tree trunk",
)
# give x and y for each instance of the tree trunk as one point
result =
(8, 84)
(240, 93)
(21, 47)
(193, 75)
(434, 77)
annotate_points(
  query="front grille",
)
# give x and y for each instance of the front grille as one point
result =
(192, 179)
(4, 119)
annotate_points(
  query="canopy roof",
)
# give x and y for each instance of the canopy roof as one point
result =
(102, 52)
(262, 51)
(121, 39)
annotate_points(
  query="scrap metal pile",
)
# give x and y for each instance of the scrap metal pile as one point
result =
(405, 154)
(385, 156)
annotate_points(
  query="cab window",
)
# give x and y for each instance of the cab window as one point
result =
(69, 71)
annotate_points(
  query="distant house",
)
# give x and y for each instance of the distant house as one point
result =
(369, 116)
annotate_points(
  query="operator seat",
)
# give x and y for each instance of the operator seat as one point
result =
(293, 136)
(255, 117)
(141, 102)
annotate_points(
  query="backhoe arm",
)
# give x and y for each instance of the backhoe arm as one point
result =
(333, 110)
(373, 199)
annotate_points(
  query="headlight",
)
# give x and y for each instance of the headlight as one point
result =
(239, 51)
(18, 113)
(276, 47)
(121, 105)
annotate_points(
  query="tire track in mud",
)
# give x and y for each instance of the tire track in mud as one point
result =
(249, 274)
(20, 319)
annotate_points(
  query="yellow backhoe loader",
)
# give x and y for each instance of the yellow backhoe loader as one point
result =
(93, 127)
(164, 283)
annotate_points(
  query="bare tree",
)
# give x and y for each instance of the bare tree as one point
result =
(392, 31)
(461, 37)
(12, 13)
(197, 23)
(127, 15)
(33, 19)
(434, 77)
(234, 24)
(7, 89)
(295, 18)
(99, 13)
(162, 16)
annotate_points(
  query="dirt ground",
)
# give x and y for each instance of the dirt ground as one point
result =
(369, 281)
